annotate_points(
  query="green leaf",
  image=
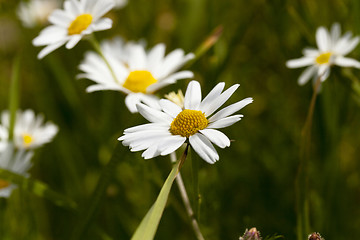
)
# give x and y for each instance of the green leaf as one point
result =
(38, 188)
(148, 226)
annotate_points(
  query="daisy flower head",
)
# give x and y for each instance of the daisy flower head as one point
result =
(36, 12)
(138, 74)
(30, 131)
(77, 19)
(332, 48)
(197, 123)
(14, 161)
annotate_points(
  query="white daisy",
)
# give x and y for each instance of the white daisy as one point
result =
(36, 12)
(14, 161)
(29, 130)
(332, 47)
(138, 73)
(196, 124)
(79, 18)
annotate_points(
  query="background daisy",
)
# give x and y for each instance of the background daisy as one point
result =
(138, 73)
(17, 162)
(36, 12)
(30, 131)
(196, 123)
(332, 47)
(78, 18)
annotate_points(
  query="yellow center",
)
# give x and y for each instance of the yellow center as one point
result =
(80, 23)
(138, 81)
(323, 58)
(188, 122)
(4, 184)
(27, 140)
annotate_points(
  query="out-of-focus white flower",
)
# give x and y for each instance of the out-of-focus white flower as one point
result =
(120, 3)
(332, 47)
(36, 12)
(177, 98)
(78, 18)
(14, 161)
(138, 73)
(172, 126)
(29, 131)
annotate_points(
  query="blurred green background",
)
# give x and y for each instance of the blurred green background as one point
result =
(253, 183)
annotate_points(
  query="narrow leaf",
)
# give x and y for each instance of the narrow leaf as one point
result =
(14, 95)
(148, 226)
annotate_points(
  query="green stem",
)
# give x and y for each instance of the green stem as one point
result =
(186, 201)
(97, 48)
(14, 96)
(89, 212)
(302, 178)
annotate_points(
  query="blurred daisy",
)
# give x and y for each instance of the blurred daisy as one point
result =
(138, 73)
(17, 162)
(29, 131)
(79, 18)
(196, 124)
(332, 47)
(36, 12)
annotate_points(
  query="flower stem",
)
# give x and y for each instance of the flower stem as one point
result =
(302, 180)
(94, 42)
(14, 95)
(185, 198)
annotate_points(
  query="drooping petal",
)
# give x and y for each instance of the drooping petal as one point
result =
(225, 122)
(346, 62)
(216, 137)
(170, 144)
(170, 108)
(203, 147)
(153, 115)
(300, 62)
(307, 74)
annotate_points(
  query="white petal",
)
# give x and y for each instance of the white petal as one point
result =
(170, 108)
(48, 49)
(346, 62)
(171, 144)
(60, 18)
(219, 101)
(147, 126)
(50, 35)
(153, 115)
(225, 122)
(151, 152)
(335, 32)
(217, 137)
(300, 62)
(349, 46)
(212, 95)
(192, 96)
(322, 69)
(307, 74)
(101, 8)
(323, 39)
(203, 147)
(131, 100)
(73, 41)
(150, 100)
(102, 24)
(230, 109)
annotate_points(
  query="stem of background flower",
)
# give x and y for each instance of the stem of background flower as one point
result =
(186, 201)
(14, 95)
(97, 48)
(301, 182)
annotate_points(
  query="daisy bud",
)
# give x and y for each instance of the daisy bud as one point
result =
(251, 234)
(315, 236)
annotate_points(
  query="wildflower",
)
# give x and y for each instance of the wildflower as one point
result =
(251, 234)
(17, 162)
(177, 98)
(196, 124)
(36, 12)
(138, 74)
(79, 18)
(332, 47)
(29, 130)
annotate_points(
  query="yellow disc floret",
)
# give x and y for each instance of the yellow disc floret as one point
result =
(323, 58)
(80, 23)
(138, 81)
(188, 122)
(27, 140)
(4, 184)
